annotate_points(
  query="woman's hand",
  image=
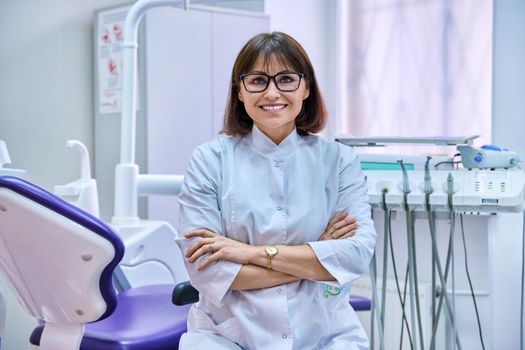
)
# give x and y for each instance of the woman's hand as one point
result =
(341, 226)
(219, 248)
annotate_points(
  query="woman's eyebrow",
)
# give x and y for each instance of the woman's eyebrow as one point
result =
(281, 72)
(286, 71)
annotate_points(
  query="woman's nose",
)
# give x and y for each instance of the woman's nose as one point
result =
(272, 91)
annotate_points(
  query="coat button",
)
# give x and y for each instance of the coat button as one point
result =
(279, 290)
(279, 208)
(285, 335)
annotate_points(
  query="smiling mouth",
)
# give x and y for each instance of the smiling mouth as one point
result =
(273, 108)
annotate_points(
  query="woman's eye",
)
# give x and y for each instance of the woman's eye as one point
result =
(286, 79)
(258, 81)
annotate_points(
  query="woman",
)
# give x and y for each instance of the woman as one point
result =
(265, 211)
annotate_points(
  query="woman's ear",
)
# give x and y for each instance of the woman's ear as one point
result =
(241, 97)
(306, 93)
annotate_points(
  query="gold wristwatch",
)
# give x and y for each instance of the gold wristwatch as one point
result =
(271, 252)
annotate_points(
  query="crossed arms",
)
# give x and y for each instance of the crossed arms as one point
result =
(292, 263)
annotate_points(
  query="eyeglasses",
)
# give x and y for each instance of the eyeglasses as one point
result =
(258, 82)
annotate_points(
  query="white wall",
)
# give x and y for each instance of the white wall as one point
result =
(46, 84)
(508, 102)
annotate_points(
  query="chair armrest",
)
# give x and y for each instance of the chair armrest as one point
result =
(184, 293)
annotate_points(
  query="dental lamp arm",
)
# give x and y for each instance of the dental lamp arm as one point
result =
(126, 172)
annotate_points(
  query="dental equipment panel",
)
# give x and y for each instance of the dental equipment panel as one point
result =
(483, 189)
(477, 190)
(488, 156)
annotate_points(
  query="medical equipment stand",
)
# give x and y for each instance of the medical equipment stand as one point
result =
(129, 183)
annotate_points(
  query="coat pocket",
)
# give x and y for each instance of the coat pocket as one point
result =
(199, 320)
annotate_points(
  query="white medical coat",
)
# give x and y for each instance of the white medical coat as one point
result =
(254, 191)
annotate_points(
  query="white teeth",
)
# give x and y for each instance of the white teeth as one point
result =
(272, 108)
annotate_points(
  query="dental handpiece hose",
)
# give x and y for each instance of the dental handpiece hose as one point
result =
(450, 192)
(415, 310)
(385, 257)
(377, 313)
(431, 220)
(428, 191)
(443, 278)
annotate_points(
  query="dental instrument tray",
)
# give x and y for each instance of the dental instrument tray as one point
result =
(383, 141)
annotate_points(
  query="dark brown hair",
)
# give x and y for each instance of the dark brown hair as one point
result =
(287, 51)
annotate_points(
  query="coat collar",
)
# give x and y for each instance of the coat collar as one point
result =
(264, 145)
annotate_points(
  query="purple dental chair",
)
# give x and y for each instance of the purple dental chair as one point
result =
(59, 261)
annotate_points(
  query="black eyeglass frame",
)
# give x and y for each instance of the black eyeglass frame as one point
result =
(271, 77)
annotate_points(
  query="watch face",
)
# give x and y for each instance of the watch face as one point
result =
(271, 250)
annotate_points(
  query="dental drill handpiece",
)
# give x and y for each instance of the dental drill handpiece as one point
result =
(450, 190)
(428, 181)
(406, 185)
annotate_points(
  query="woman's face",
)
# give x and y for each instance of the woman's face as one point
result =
(274, 111)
